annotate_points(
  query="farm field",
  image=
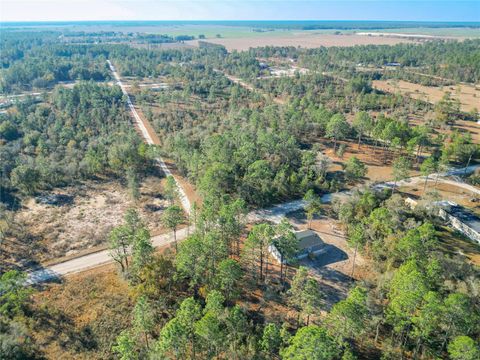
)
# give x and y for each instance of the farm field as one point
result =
(459, 33)
(468, 95)
(302, 39)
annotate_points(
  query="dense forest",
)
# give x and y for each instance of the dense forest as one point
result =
(75, 133)
(35, 60)
(459, 61)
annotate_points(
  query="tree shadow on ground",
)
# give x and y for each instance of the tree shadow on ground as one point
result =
(57, 326)
(330, 255)
(20, 252)
(334, 285)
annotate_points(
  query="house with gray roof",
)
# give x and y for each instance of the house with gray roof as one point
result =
(309, 243)
(461, 219)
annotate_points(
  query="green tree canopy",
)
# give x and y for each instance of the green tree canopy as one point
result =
(311, 343)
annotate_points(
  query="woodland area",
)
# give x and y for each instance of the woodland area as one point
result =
(218, 294)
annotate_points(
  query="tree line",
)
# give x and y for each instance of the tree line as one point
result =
(75, 133)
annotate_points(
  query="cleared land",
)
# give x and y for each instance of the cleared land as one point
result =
(81, 317)
(463, 32)
(82, 223)
(468, 95)
(305, 40)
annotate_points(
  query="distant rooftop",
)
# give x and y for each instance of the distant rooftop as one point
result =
(463, 214)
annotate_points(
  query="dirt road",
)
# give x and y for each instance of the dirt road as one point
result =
(249, 87)
(441, 179)
(150, 137)
(86, 262)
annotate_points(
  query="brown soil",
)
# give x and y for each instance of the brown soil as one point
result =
(468, 95)
(189, 189)
(304, 40)
(331, 234)
(333, 274)
(446, 192)
(462, 126)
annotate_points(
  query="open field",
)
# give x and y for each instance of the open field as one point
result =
(378, 162)
(82, 223)
(464, 32)
(468, 95)
(81, 317)
(448, 192)
(303, 39)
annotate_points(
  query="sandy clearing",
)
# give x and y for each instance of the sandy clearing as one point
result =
(304, 40)
(56, 231)
(446, 191)
(468, 95)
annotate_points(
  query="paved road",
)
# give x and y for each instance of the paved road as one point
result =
(277, 212)
(273, 214)
(100, 258)
(442, 178)
(148, 138)
(90, 261)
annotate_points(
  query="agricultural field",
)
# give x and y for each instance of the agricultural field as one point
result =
(448, 33)
(303, 39)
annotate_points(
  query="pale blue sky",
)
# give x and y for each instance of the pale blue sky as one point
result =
(50, 10)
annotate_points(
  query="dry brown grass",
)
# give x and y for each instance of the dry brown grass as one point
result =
(468, 95)
(80, 318)
(56, 231)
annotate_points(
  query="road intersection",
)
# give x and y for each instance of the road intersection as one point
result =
(273, 214)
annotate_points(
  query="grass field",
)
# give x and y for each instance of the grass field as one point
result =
(242, 29)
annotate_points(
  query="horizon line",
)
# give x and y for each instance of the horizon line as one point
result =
(238, 20)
